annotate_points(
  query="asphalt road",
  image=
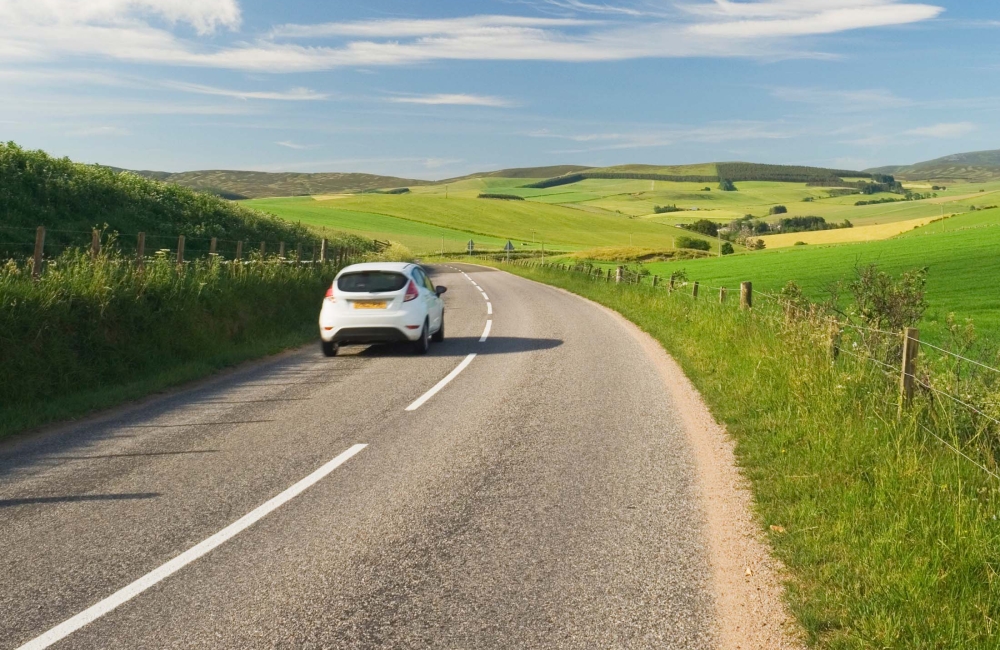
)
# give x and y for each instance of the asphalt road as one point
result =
(544, 498)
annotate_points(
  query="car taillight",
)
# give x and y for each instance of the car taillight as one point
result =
(329, 294)
(411, 292)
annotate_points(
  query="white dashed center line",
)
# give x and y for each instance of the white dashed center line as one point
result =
(486, 332)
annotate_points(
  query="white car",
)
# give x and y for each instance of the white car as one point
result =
(382, 303)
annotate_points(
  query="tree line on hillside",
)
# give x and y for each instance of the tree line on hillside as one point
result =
(502, 197)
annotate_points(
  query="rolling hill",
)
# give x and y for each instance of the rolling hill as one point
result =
(972, 167)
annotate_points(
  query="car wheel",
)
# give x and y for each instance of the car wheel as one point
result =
(330, 348)
(439, 335)
(421, 345)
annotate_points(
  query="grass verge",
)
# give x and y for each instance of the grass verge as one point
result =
(890, 538)
(92, 334)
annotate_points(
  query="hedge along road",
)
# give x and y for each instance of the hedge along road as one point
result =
(544, 497)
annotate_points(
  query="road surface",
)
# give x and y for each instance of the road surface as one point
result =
(543, 498)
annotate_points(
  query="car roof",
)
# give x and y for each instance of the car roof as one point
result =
(397, 267)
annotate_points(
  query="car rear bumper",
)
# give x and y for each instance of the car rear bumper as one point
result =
(370, 335)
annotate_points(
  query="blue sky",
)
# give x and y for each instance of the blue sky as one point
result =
(444, 88)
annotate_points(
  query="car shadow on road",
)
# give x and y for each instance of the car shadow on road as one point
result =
(462, 345)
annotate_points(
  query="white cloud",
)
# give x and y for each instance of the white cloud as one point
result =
(453, 100)
(842, 100)
(944, 130)
(295, 94)
(131, 30)
(715, 133)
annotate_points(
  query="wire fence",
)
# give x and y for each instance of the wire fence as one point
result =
(39, 246)
(971, 420)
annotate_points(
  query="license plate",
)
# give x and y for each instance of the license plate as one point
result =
(369, 304)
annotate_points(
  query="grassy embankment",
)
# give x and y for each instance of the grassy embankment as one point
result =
(92, 333)
(890, 538)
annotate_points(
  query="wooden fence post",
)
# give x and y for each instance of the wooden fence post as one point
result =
(608, 277)
(95, 244)
(36, 264)
(746, 295)
(263, 248)
(694, 291)
(281, 249)
(618, 275)
(298, 251)
(911, 344)
(670, 285)
(722, 295)
(239, 250)
(212, 246)
(835, 333)
(140, 250)
(323, 251)
(180, 250)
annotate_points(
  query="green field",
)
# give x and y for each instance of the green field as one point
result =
(960, 253)
(420, 221)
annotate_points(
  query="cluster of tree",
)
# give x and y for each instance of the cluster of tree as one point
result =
(778, 209)
(703, 226)
(938, 188)
(706, 189)
(569, 179)
(693, 243)
(808, 224)
(783, 173)
(727, 185)
(502, 197)
(663, 209)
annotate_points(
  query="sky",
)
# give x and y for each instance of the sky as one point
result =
(440, 89)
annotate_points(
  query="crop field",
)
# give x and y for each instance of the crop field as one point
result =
(959, 253)
(421, 221)
(846, 235)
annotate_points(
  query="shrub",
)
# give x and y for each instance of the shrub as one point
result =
(727, 185)
(727, 249)
(693, 243)
(663, 209)
(778, 209)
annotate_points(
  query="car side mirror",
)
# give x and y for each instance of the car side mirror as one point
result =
(440, 290)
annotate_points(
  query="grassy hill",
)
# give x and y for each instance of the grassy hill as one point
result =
(71, 199)
(523, 172)
(708, 173)
(973, 167)
(249, 185)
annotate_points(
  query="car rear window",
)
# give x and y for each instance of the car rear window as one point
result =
(371, 282)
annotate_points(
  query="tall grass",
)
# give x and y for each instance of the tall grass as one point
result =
(890, 537)
(89, 333)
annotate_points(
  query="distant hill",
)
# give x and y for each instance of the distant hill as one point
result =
(257, 185)
(523, 172)
(709, 173)
(976, 166)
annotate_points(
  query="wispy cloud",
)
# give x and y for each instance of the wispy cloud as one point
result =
(944, 130)
(715, 133)
(293, 95)
(288, 144)
(459, 99)
(101, 131)
(122, 30)
(843, 100)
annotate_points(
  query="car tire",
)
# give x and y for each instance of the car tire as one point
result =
(330, 348)
(439, 335)
(423, 344)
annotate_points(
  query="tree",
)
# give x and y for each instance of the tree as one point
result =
(727, 185)
(779, 209)
(727, 249)
(692, 243)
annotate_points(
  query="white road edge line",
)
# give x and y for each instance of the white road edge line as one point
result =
(489, 308)
(441, 384)
(125, 594)
(486, 332)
